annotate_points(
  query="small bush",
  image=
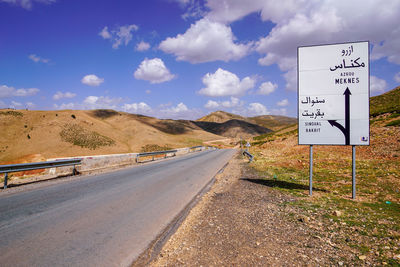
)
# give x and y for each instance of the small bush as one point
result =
(394, 123)
(11, 113)
(73, 116)
(154, 147)
(29, 137)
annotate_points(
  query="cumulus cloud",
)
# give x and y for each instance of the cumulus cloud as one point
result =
(205, 41)
(59, 95)
(280, 111)
(27, 4)
(316, 22)
(142, 46)
(141, 108)
(92, 80)
(93, 102)
(233, 102)
(119, 35)
(225, 83)
(377, 85)
(397, 77)
(36, 58)
(153, 70)
(9, 91)
(212, 104)
(283, 103)
(180, 111)
(257, 109)
(267, 88)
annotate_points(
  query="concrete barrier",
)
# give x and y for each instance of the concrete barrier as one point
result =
(98, 162)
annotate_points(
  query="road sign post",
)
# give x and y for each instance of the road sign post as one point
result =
(333, 97)
(311, 167)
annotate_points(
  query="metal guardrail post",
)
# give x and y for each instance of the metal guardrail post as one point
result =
(37, 166)
(5, 180)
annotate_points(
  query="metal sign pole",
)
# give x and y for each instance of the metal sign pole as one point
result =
(354, 173)
(311, 165)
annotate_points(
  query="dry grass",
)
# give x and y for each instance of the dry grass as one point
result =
(371, 223)
(95, 132)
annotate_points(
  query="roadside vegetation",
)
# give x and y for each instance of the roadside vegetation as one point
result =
(369, 226)
(79, 136)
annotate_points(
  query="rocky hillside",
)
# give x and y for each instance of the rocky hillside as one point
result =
(273, 122)
(232, 128)
(39, 135)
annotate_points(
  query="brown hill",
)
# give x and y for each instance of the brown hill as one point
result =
(233, 128)
(39, 135)
(273, 122)
(221, 116)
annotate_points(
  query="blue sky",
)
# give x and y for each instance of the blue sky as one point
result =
(180, 58)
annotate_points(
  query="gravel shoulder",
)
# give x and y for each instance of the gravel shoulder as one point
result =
(243, 222)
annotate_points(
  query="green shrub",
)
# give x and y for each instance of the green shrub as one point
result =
(79, 136)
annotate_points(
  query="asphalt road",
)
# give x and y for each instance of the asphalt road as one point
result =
(104, 220)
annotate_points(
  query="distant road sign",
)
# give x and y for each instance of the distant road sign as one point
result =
(333, 94)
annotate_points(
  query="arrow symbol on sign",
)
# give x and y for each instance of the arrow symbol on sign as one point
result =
(346, 129)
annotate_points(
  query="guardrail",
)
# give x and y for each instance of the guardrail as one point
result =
(152, 154)
(193, 148)
(36, 166)
(251, 157)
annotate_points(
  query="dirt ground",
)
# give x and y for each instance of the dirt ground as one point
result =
(242, 221)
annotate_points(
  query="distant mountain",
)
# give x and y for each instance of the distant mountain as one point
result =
(232, 128)
(221, 116)
(272, 122)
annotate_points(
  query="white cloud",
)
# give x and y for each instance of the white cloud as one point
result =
(142, 46)
(267, 88)
(283, 103)
(153, 70)
(397, 77)
(98, 102)
(148, 91)
(280, 111)
(120, 35)
(60, 95)
(377, 85)
(233, 102)
(92, 80)
(316, 22)
(27, 4)
(180, 111)
(257, 109)
(6, 91)
(141, 108)
(36, 58)
(30, 105)
(205, 41)
(225, 83)
(212, 104)
(92, 102)
(194, 9)
(229, 11)
(16, 105)
(105, 33)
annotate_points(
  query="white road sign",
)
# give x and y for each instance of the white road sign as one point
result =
(333, 94)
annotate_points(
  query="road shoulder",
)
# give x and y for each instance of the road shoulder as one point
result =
(240, 221)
